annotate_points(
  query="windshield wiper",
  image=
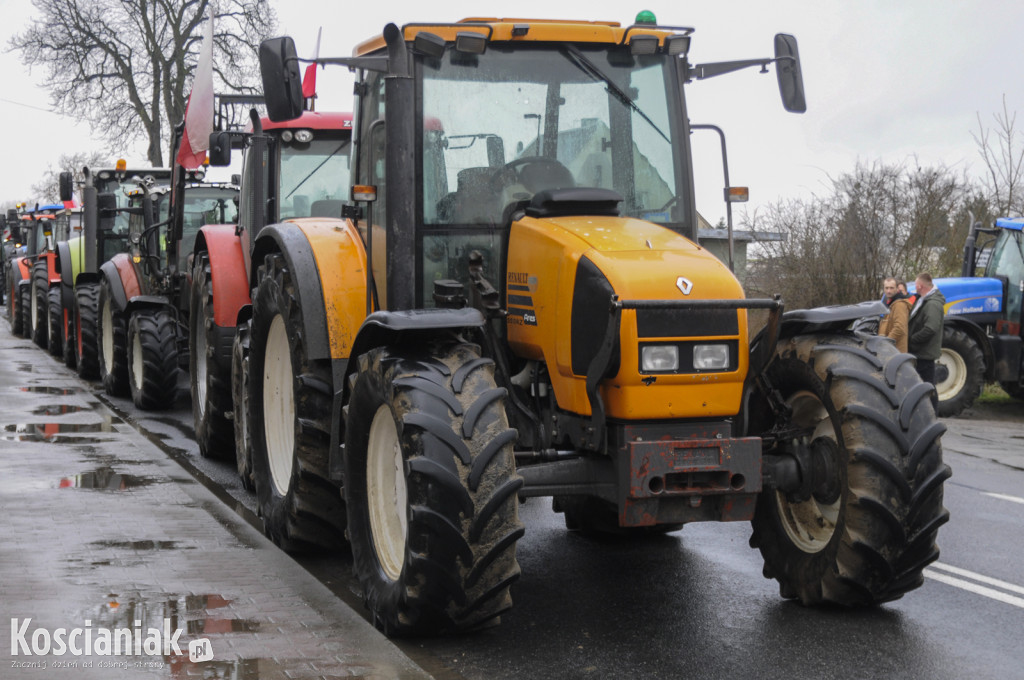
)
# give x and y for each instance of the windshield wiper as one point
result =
(313, 171)
(589, 67)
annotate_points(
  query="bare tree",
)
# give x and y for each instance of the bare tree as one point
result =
(47, 190)
(1003, 155)
(127, 66)
(879, 220)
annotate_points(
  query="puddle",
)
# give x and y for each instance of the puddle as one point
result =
(47, 389)
(105, 479)
(57, 410)
(141, 545)
(25, 368)
(58, 432)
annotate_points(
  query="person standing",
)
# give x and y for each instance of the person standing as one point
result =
(895, 324)
(926, 328)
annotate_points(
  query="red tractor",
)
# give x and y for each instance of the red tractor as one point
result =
(305, 175)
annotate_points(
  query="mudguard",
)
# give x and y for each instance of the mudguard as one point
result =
(305, 243)
(124, 283)
(227, 271)
(384, 328)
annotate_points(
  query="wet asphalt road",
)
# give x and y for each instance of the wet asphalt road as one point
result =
(694, 603)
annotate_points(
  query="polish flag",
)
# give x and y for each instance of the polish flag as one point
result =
(309, 78)
(199, 109)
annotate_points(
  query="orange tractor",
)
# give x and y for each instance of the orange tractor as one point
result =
(518, 306)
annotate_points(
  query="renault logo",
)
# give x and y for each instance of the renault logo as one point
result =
(684, 284)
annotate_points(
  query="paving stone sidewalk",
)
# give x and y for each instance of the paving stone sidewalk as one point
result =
(103, 533)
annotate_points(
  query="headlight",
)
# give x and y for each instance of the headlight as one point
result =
(659, 358)
(710, 357)
(303, 136)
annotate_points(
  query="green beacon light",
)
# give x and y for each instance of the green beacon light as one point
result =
(646, 17)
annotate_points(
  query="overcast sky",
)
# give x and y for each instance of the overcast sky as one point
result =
(885, 80)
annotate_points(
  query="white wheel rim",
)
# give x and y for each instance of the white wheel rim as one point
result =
(35, 315)
(108, 336)
(957, 378)
(810, 524)
(279, 406)
(201, 358)
(386, 493)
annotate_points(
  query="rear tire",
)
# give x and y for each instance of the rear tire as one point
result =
(153, 359)
(86, 327)
(55, 314)
(290, 420)
(240, 399)
(210, 368)
(431, 490)
(966, 365)
(112, 327)
(867, 538)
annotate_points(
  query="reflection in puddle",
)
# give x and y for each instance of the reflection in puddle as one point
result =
(196, 616)
(105, 479)
(57, 432)
(57, 410)
(25, 368)
(47, 389)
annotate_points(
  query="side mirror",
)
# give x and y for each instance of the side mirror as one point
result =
(220, 149)
(282, 82)
(66, 186)
(791, 79)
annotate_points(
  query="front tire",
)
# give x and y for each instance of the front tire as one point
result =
(40, 309)
(966, 365)
(210, 367)
(55, 314)
(431, 490)
(866, 536)
(113, 341)
(153, 359)
(240, 398)
(290, 400)
(87, 301)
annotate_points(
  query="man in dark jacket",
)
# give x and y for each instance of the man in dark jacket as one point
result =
(926, 328)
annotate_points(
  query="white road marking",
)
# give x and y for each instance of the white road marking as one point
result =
(975, 587)
(978, 577)
(1003, 497)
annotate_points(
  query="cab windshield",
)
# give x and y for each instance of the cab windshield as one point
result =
(501, 126)
(314, 178)
(1008, 260)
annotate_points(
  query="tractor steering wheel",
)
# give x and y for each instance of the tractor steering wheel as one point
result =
(549, 170)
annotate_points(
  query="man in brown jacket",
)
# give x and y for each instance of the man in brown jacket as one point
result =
(894, 324)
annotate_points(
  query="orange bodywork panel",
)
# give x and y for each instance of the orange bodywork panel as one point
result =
(341, 261)
(539, 30)
(641, 261)
(229, 275)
